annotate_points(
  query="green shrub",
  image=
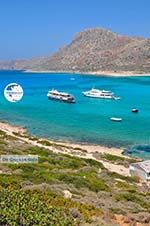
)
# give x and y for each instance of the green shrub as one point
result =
(22, 208)
(133, 197)
(126, 186)
(122, 177)
(95, 163)
(116, 158)
(90, 182)
(28, 208)
(45, 142)
(2, 133)
(112, 158)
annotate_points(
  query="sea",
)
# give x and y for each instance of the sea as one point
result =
(88, 120)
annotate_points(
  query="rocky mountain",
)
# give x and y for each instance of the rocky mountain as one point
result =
(95, 50)
(12, 64)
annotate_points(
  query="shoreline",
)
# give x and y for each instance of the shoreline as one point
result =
(97, 73)
(85, 151)
(90, 148)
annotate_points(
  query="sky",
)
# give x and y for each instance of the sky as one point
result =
(32, 28)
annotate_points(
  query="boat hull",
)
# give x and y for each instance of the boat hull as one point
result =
(134, 110)
(70, 101)
(99, 97)
(100, 94)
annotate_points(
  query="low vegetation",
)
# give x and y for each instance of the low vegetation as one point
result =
(41, 208)
(33, 194)
(133, 197)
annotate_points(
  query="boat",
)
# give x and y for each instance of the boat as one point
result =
(97, 93)
(60, 96)
(116, 119)
(135, 110)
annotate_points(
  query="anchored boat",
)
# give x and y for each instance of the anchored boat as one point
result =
(135, 110)
(61, 96)
(96, 93)
(116, 119)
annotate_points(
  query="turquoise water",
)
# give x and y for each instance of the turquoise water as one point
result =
(140, 151)
(89, 119)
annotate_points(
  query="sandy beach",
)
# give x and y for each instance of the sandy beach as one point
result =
(4, 126)
(90, 148)
(78, 150)
(98, 73)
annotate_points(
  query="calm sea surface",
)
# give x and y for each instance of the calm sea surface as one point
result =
(89, 119)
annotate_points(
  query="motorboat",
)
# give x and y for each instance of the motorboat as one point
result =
(116, 119)
(135, 110)
(97, 93)
(61, 96)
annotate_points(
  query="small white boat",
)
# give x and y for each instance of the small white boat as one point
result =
(135, 110)
(116, 119)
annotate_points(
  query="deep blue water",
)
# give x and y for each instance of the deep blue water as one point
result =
(89, 119)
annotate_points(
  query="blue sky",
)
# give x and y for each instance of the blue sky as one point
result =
(31, 28)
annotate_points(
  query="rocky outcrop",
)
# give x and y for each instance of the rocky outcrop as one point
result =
(95, 50)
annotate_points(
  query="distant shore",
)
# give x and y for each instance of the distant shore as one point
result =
(98, 73)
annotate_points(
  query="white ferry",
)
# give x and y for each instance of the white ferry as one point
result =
(96, 93)
(61, 96)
